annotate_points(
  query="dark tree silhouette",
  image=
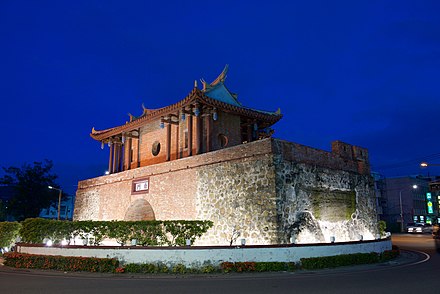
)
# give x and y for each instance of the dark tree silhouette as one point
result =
(3, 214)
(30, 189)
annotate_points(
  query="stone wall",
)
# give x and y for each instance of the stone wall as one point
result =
(322, 195)
(239, 197)
(266, 192)
(234, 187)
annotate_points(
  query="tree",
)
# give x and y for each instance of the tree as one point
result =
(30, 188)
(3, 213)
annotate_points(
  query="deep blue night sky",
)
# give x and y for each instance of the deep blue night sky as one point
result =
(364, 72)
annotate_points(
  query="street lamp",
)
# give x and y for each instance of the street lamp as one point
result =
(401, 208)
(425, 164)
(59, 199)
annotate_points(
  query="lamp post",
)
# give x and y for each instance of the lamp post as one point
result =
(59, 199)
(425, 164)
(401, 208)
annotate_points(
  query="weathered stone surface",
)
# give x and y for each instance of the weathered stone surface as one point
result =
(267, 192)
(337, 203)
(239, 197)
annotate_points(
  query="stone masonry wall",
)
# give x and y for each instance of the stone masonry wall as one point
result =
(189, 187)
(265, 191)
(319, 199)
(239, 197)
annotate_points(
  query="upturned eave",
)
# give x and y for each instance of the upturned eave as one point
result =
(196, 96)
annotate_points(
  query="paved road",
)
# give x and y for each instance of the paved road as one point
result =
(408, 274)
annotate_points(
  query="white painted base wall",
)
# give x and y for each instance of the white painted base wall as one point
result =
(194, 257)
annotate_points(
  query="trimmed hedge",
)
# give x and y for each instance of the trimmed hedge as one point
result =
(61, 263)
(146, 268)
(347, 259)
(9, 231)
(239, 267)
(172, 233)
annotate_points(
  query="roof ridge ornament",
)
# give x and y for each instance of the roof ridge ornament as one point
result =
(205, 85)
(219, 80)
(131, 116)
(222, 77)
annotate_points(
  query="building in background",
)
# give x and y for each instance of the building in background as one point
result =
(434, 188)
(406, 200)
(379, 191)
(66, 209)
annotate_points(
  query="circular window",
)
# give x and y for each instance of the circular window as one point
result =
(223, 140)
(156, 148)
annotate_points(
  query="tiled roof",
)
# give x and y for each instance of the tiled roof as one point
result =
(265, 119)
(221, 93)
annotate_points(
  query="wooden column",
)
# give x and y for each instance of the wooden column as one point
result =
(208, 132)
(121, 156)
(249, 132)
(139, 149)
(198, 139)
(177, 140)
(116, 157)
(110, 159)
(190, 126)
(168, 142)
(130, 153)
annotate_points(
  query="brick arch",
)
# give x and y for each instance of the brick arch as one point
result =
(139, 209)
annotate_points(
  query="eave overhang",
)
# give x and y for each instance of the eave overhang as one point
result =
(196, 96)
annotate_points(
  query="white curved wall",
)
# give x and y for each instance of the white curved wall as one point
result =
(196, 256)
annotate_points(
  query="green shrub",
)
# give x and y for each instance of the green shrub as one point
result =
(62, 263)
(147, 233)
(177, 232)
(238, 267)
(208, 269)
(179, 269)
(173, 233)
(9, 231)
(34, 230)
(120, 231)
(274, 266)
(339, 260)
(348, 259)
(145, 268)
(382, 226)
(150, 268)
(389, 254)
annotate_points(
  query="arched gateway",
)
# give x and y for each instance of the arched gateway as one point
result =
(140, 209)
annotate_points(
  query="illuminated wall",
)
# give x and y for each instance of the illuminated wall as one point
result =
(267, 192)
